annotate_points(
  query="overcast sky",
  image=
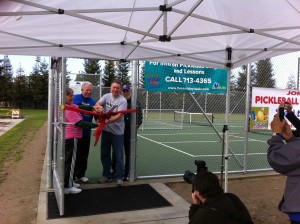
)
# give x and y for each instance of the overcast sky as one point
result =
(284, 66)
(27, 62)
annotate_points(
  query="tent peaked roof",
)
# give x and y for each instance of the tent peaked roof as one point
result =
(212, 33)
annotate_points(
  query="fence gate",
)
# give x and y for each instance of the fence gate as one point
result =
(58, 138)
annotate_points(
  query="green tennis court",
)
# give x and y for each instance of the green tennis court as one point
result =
(165, 148)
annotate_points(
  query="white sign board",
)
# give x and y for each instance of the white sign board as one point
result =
(76, 86)
(268, 100)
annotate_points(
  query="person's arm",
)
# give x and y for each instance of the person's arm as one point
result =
(113, 118)
(244, 213)
(284, 158)
(295, 121)
(192, 214)
(291, 116)
(85, 124)
(122, 106)
(86, 107)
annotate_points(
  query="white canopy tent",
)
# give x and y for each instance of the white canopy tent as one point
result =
(198, 32)
(211, 33)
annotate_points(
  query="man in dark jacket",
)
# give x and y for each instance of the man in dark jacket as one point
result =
(126, 90)
(211, 205)
(284, 157)
(139, 118)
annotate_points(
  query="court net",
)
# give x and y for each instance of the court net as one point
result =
(159, 119)
(193, 118)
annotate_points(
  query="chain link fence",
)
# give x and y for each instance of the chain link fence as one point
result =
(179, 128)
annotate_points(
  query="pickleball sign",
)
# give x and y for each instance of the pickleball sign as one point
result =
(265, 102)
(173, 77)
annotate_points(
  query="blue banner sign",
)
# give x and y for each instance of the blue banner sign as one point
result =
(172, 77)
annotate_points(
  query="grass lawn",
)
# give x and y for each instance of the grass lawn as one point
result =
(13, 141)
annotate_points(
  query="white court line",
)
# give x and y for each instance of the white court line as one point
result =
(166, 146)
(248, 154)
(196, 133)
(163, 144)
(253, 140)
(168, 124)
(181, 134)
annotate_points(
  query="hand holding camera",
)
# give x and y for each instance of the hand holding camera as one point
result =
(279, 125)
(288, 107)
(189, 176)
(195, 199)
(281, 111)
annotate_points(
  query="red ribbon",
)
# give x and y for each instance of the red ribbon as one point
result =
(101, 118)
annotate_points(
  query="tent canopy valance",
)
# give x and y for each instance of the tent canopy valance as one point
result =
(212, 33)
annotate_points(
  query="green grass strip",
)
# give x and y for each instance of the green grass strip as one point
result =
(13, 142)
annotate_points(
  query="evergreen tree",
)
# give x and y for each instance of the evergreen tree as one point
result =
(264, 74)
(38, 83)
(109, 73)
(91, 66)
(1, 66)
(242, 78)
(68, 78)
(44, 71)
(122, 72)
(291, 84)
(19, 88)
(6, 79)
(233, 82)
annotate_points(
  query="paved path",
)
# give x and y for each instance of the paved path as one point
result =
(8, 123)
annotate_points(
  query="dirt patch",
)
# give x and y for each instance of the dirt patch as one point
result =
(261, 196)
(20, 189)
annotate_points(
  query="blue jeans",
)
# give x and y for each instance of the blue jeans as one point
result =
(108, 141)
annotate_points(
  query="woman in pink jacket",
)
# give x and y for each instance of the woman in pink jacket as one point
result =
(73, 132)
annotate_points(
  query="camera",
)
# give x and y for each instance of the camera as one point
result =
(189, 176)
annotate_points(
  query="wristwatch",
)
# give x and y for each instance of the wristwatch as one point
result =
(274, 133)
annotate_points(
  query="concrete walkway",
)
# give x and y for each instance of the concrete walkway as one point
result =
(8, 123)
(177, 214)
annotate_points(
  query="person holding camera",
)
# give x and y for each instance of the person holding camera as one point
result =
(211, 205)
(291, 117)
(284, 157)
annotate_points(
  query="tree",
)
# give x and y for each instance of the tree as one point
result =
(109, 73)
(291, 83)
(38, 83)
(6, 79)
(233, 82)
(91, 66)
(241, 81)
(265, 75)
(19, 88)
(1, 66)
(122, 72)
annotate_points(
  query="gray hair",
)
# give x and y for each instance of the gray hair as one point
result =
(85, 84)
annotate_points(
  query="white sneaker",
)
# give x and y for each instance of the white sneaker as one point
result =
(84, 179)
(76, 184)
(72, 190)
(119, 182)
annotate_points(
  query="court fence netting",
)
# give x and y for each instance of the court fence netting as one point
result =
(179, 128)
